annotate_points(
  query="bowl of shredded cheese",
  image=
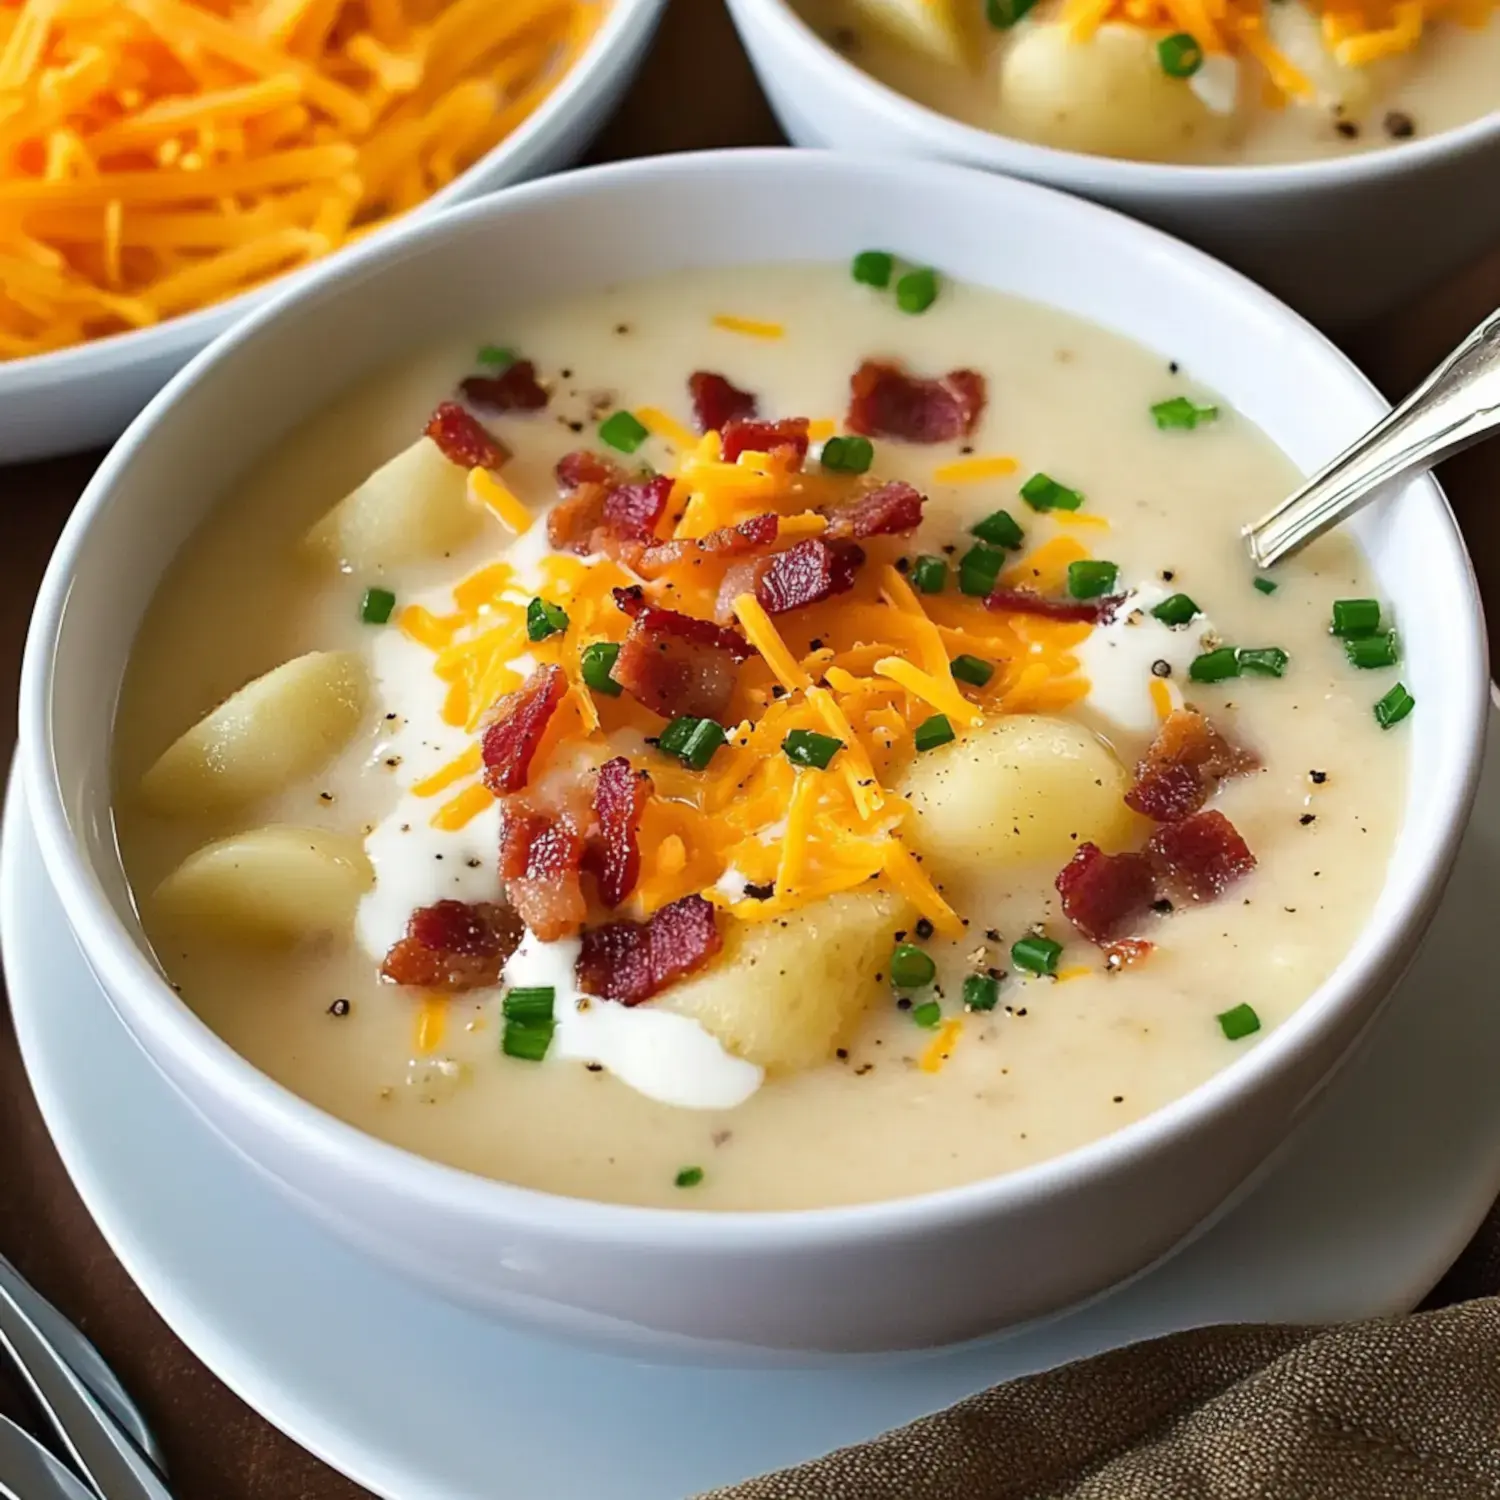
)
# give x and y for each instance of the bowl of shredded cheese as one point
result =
(163, 162)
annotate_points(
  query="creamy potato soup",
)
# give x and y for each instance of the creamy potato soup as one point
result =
(1172, 80)
(764, 739)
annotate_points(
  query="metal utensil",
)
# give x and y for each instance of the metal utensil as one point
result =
(1457, 406)
(29, 1472)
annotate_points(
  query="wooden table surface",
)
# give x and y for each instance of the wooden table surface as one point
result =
(696, 92)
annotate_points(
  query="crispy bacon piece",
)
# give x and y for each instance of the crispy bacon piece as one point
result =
(1200, 857)
(739, 437)
(676, 664)
(583, 467)
(811, 571)
(454, 945)
(540, 858)
(572, 522)
(884, 401)
(631, 511)
(632, 961)
(892, 509)
(515, 388)
(620, 796)
(758, 534)
(717, 403)
(1183, 768)
(1102, 892)
(519, 721)
(463, 441)
(1065, 611)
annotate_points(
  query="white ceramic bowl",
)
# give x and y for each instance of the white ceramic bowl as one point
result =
(920, 1271)
(1342, 241)
(83, 397)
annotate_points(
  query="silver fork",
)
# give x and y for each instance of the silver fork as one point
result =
(29, 1472)
(1457, 406)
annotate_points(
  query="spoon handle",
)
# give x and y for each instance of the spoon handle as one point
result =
(1456, 406)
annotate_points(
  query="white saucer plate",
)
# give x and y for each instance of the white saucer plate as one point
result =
(416, 1400)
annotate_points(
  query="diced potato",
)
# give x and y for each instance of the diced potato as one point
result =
(268, 887)
(941, 29)
(782, 994)
(413, 508)
(1298, 35)
(1022, 789)
(1107, 96)
(274, 730)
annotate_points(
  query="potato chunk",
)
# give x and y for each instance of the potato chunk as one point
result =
(269, 887)
(1024, 788)
(783, 994)
(280, 727)
(413, 508)
(940, 29)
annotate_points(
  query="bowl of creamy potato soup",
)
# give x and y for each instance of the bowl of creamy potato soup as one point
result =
(1291, 137)
(674, 784)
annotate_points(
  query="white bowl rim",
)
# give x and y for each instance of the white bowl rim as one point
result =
(1079, 170)
(193, 330)
(356, 1155)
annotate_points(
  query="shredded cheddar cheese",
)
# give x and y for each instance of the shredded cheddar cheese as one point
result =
(463, 808)
(750, 327)
(663, 425)
(497, 497)
(940, 1048)
(971, 470)
(432, 1022)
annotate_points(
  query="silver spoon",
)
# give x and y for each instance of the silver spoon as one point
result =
(29, 1472)
(1457, 406)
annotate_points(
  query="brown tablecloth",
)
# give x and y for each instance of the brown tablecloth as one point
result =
(1403, 1411)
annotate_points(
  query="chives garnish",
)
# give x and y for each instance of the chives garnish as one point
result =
(528, 1037)
(596, 663)
(981, 991)
(544, 618)
(927, 1014)
(1003, 14)
(1355, 617)
(1039, 955)
(1265, 661)
(917, 290)
(847, 455)
(702, 744)
(973, 670)
(1394, 706)
(375, 608)
(929, 574)
(1091, 578)
(978, 569)
(931, 733)
(1000, 529)
(1215, 666)
(527, 1007)
(806, 747)
(689, 1177)
(1265, 585)
(1042, 492)
(622, 431)
(1181, 412)
(1239, 1022)
(911, 968)
(873, 267)
(1177, 609)
(1180, 55)
(1374, 650)
(671, 740)
(496, 357)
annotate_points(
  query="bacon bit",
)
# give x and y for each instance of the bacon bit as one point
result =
(540, 860)
(582, 467)
(463, 441)
(632, 961)
(631, 511)
(676, 664)
(572, 522)
(884, 401)
(807, 573)
(1127, 953)
(1183, 768)
(755, 535)
(889, 511)
(520, 720)
(739, 437)
(620, 796)
(1201, 856)
(716, 402)
(454, 945)
(514, 389)
(1074, 611)
(1101, 892)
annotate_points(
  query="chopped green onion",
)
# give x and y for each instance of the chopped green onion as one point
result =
(978, 569)
(1355, 617)
(544, 618)
(1374, 650)
(702, 744)
(911, 968)
(917, 290)
(1394, 706)
(1265, 661)
(622, 431)
(999, 529)
(1265, 585)
(847, 455)
(931, 733)
(1039, 955)
(927, 1014)
(1177, 609)
(1215, 666)
(1003, 14)
(375, 608)
(929, 574)
(806, 747)
(1042, 492)
(674, 737)
(1091, 578)
(972, 670)
(527, 1040)
(981, 991)
(1239, 1022)
(596, 663)
(528, 1007)
(873, 267)
(496, 357)
(1180, 412)
(689, 1177)
(1180, 55)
